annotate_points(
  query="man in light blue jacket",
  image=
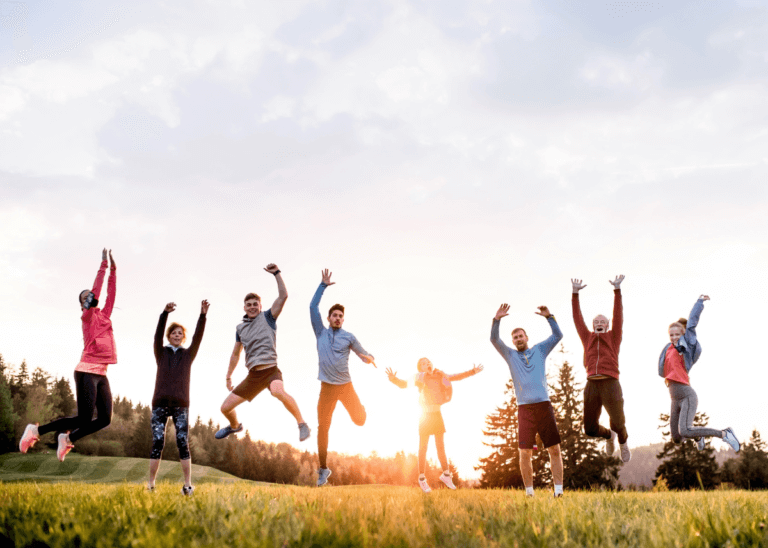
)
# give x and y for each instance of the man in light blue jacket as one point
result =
(333, 346)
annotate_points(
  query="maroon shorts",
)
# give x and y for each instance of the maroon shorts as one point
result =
(256, 381)
(535, 418)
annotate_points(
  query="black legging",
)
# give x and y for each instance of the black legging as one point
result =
(93, 393)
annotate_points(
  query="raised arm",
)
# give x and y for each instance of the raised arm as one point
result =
(578, 319)
(158, 342)
(550, 342)
(693, 320)
(282, 292)
(99, 281)
(197, 338)
(111, 287)
(461, 376)
(392, 376)
(233, 359)
(495, 337)
(618, 310)
(314, 305)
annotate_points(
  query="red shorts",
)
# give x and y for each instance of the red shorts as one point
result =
(535, 418)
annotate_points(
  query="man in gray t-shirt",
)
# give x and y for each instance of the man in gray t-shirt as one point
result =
(258, 335)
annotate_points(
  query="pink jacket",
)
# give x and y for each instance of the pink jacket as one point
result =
(97, 327)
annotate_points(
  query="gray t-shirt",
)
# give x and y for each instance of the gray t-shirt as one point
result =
(259, 338)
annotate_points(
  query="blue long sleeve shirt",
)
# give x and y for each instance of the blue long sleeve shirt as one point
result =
(333, 345)
(528, 368)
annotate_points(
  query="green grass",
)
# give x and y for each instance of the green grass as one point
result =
(247, 514)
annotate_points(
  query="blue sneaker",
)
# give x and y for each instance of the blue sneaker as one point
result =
(303, 431)
(227, 430)
(322, 476)
(701, 443)
(730, 438)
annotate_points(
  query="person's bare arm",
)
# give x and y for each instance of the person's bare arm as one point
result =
(392, 375)
(282, 292)
(461, 376)
(233, 359)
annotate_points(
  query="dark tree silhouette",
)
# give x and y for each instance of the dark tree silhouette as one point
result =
(684, 466)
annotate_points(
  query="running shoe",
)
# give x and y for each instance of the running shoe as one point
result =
(610, 444)
(626, 454)
(303, 431)
(322, 476)
(448, 481)
(227, 430)
(424, 485)
(730, 438)
(187, 490)
(150, 488)
(65, 446)
(29, 438)
(700, 443)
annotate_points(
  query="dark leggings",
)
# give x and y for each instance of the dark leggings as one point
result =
(440, 444)
(93, 393)
(180, 417)
(604, 393)
(329, 395)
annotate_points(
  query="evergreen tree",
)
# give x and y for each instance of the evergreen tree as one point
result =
(20, 381)
(502, 467)
(7, 415)
(141, 437)
(751, 471)
(39, 378)
(684, 466)
(66, 406)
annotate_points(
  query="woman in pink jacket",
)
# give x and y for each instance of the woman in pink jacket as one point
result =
(91, 383)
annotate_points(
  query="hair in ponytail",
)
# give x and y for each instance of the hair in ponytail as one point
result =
(681, 323)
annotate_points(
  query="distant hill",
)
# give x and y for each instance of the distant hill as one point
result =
(44, 467)
(641, 470)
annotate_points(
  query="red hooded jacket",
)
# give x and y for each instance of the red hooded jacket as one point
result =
(97, 327)
(601, 350)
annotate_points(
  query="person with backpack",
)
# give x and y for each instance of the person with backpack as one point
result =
(434, 390)
(91, 383)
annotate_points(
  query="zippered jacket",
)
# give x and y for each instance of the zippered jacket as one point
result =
(174, 367)
(688, 345)
(601, 350)
(98, 339)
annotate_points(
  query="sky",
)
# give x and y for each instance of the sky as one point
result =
(440, 158)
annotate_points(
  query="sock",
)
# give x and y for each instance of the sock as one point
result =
(529, 491)
(558, 489)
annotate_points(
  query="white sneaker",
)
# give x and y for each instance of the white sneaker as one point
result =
(29, 438)
(626, 454)
(610, 444)
(448, 481)
(187, 490)
(424, 485)
(730, 438)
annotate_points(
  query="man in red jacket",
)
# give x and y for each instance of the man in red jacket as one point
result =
(601, 360)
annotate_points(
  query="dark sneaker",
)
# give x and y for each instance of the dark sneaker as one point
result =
(304, 431)
(322, 476)
(227, 430)
(187, 490)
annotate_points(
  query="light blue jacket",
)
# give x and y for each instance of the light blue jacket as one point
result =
(688, 345)
(333, 345)
(528, 368)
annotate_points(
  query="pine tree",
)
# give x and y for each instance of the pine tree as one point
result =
(684, 466)
(61, 392)
(141, 436)
(752, 464)
(20, 381)
(7, 415)
(502, 467)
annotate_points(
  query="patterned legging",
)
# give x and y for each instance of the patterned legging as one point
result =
(180, 417)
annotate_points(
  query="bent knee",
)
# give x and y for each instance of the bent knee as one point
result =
(593, 431)
(359, 420)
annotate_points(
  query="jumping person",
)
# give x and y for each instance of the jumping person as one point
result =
(171, 397)
(434, 389)
(91, 383)
(601, 360)
(258, 335)
(333, 346)
(675, 362)
(534, 410)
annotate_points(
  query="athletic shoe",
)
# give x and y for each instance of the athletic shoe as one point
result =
(424, 485)
(730, 438)
(150, 488)
(322, 476)
(700, 443)
(610, 444)
(65, 446)
(557, 495)
(227, 430)
(303, 431)
(626, 454)
(29, 438)
(187, 490)
(448, 481)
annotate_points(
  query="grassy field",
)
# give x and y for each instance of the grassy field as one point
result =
(223, 513)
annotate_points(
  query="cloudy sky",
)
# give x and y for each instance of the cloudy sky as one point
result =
(439, 157)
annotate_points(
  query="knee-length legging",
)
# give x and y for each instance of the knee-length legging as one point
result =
(180, 417)
(93, 394)
(684, 404)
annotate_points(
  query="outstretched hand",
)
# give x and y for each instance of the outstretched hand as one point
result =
(104, 254)
(502, 311)
(271, 268)
(204, 306)
(704, 297)
(391, 374)
(477, 368)
(112, 260)
(327, 277)
(170, 307)
(617, 282)
(577, 285)
(543, 311)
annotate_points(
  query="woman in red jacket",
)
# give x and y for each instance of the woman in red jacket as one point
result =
(91, 383)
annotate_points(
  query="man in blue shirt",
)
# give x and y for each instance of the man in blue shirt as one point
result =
(333, 346)
(534, 410)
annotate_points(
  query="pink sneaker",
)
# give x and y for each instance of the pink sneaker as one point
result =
(29, 438)
(448, 481)
(65, 446)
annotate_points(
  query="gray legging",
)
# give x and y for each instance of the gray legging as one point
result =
(684, 404)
